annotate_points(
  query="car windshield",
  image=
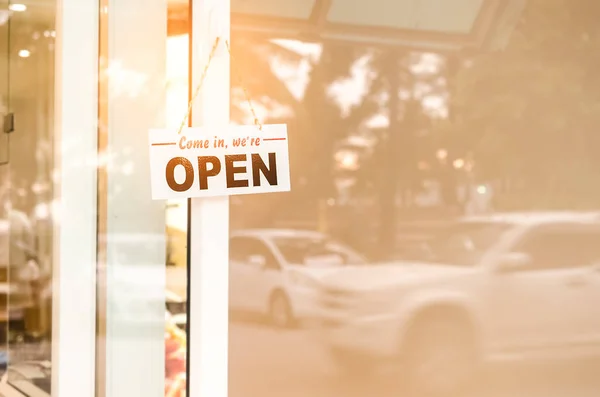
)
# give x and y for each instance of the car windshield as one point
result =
(464, 243)
(316, 251)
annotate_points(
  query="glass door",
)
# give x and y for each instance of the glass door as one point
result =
(4, 185)
(26, 190)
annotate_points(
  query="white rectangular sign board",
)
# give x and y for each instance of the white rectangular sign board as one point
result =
(204, 162)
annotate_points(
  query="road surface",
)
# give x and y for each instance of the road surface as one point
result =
(265, 362)
(271, 363)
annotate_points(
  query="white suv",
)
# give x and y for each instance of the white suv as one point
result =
(505, 286)
(276, 271)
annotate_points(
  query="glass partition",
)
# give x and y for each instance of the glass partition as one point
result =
(4, 186)
(27, 37)
(48, 105)
(30, 106)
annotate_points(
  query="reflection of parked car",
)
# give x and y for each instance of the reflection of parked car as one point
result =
(523, 286)
(28, 379)
(274, 271)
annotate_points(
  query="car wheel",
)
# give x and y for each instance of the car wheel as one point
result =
(439, 359)
(280, 311)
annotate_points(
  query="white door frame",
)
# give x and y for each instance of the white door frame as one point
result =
(208, 234)
(75, 192)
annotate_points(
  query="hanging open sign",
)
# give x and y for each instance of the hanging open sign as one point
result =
(204, 162)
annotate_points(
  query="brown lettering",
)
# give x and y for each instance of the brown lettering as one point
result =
(231, 170)
(170, 174)
(258, 167)
(204, 172)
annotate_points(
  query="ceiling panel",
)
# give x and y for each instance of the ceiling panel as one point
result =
(381, 13)
(452, 16)
(297, 9)
(432, 24)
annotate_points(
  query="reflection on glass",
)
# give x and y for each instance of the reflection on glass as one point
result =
(315, 251)
(26, 180)
(389, 146)
(464, 244)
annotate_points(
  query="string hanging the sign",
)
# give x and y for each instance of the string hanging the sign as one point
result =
(241, 82)
(211, 55)
(218, 160)
(199, 87)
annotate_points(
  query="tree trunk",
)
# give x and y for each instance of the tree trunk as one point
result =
(389, 184)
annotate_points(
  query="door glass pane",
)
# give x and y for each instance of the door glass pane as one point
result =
(4, 187)
(28, 60)
(4, 138)
(388, 146)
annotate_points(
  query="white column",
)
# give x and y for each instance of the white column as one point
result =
(209, 218)
(133, 354)
(74, 253)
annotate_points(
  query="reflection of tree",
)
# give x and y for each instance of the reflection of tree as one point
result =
(529, 114)
(319, 126)
(316, 125)
(251, 68)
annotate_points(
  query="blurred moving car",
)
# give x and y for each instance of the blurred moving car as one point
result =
(274, 272)
(497, 287)
(27, 379)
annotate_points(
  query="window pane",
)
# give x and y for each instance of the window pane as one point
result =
(392, 144)
(27, 181)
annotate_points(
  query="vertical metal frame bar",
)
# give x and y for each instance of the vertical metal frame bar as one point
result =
(74, 254)
(102, 208)
(208, 232)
